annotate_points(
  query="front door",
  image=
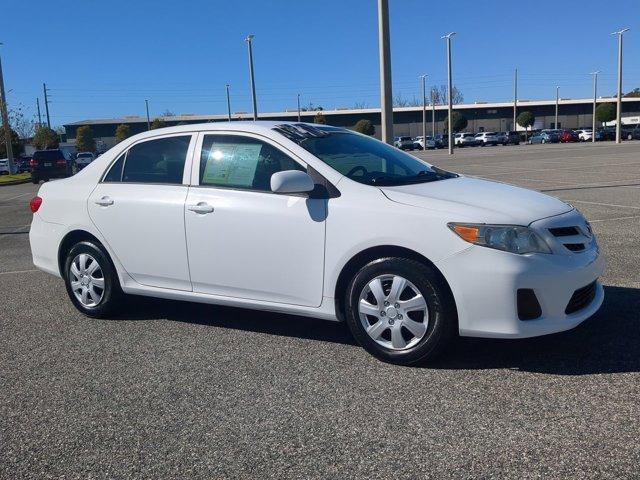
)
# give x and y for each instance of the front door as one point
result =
(139, 209)
(245, 241)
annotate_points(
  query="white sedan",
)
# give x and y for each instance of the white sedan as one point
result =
(585, 135)
(317, 221)
(4, 166)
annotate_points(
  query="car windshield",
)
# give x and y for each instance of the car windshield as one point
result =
(361, 158)
(84, 155)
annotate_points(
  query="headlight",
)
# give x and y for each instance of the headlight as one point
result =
(509, 238)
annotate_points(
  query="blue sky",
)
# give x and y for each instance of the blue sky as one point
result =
(102, 59)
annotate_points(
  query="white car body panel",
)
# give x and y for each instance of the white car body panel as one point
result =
(285, 253)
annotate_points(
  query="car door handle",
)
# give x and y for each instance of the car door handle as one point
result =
(104, 201)
(201, 207)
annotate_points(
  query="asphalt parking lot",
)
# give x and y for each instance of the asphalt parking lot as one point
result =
(177, 390)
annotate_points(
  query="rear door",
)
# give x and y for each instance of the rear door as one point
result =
(139, 209)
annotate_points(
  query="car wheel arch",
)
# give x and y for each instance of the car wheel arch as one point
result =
(73, 238)
(363, 257)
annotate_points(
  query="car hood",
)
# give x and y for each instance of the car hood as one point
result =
(469, 199)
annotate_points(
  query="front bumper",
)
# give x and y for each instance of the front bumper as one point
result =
(485, 282)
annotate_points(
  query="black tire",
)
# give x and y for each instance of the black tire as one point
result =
(112, 293)
(35, 180)
(442, 322)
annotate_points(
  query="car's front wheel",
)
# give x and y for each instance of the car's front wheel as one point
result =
(400, 311)
(91, 280)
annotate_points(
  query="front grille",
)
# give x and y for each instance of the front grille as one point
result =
(581, 298)
(564, 231)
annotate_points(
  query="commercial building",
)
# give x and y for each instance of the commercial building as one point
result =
(407, 120)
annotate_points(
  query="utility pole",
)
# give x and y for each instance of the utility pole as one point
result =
(46, 104)
(449, 90)
(433, 116)
(557, 98)
(298, 108)
(249, 41)
(384, 50)
(146, 104)
(5, 120)
(39, 116)
(515, 99)
(228, 102)
(595, 93)
(424, 111)
(619, 97)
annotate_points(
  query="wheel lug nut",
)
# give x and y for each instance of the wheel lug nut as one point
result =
(397, 305)
(399, 317)
(382, 313)
(386, 304)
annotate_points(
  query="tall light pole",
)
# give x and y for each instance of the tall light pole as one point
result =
(449, 90)
(515, 99)
(386, 95)
(595, 93)
(5, 120)
(146, 105)
(557, 98)
(619, 97)
(249, 41)
(228, 102)
(299, 108)
(424, 111)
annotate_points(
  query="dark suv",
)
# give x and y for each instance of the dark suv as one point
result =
(47, 164)
(630, 132)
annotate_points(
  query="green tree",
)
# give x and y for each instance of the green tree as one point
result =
(45, 138)
(365, 126)
(526, 120)
(84, 139)
(16, 144)
(122, 131)
(605, 112)
(458, 122)
(158, 123)
(319, 118)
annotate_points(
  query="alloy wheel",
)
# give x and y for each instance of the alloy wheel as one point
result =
(87, 280)
(393, 312)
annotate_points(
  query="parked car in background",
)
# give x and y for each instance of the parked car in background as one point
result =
(22, 164)
(631, 132)
(4, 166)
(608, 133)
(511, 137)
(419, 143)
(544, 136)
(404, 143)
(83, 159)
(48, 164)
(456, 254)
(568, 136)
(488, 138)
(584, 134)
(465, 139)
(442, 140)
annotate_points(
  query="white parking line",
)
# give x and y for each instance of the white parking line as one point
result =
(17, 196)
(614, 218)
(19, 271)
(602, 204)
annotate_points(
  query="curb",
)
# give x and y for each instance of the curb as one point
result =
(14, 182)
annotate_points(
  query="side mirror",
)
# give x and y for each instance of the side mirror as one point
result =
(291, 181)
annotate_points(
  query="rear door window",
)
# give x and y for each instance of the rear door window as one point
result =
(157, 161)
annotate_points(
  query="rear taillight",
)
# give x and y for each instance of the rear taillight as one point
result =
(33, 163)
(35, 203)
(61, 163)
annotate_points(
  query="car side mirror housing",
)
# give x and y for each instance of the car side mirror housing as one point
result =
(291, 181)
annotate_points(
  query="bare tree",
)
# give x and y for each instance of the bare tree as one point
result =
(400, 101)
(439, 95)
(167, 113)
(22, 125)
(360, 105)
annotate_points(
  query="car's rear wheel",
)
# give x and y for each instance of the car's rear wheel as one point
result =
(400, 311)
(34, 179)
(91, 280)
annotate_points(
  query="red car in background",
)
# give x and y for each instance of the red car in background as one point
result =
(567, 136)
